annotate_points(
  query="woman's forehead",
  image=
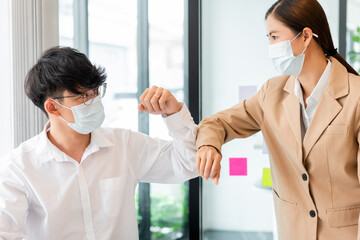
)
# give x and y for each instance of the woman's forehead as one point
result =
(273, 25)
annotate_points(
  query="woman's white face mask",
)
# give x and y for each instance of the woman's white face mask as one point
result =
(283, 58)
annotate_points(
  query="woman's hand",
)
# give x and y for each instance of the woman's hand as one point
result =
(157, 100)
(208, 163)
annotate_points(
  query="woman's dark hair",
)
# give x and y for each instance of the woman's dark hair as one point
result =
(60, 69)
(299, 14)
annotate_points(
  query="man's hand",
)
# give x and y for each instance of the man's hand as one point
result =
(208, 163)
(157, 100)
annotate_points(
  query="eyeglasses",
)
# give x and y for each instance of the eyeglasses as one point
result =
(89, 95)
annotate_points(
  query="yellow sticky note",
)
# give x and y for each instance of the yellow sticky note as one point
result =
(266, 179)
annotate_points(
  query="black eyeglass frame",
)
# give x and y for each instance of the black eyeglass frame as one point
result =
(95, 94)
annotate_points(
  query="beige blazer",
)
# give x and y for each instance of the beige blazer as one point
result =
(316, 186)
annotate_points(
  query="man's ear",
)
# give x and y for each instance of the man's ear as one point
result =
(51, 107)
(308, 36)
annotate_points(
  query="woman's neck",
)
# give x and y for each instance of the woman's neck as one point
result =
(314, 66)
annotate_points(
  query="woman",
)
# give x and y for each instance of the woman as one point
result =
(310, 119)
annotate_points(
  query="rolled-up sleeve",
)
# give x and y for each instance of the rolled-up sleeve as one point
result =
(159, 161)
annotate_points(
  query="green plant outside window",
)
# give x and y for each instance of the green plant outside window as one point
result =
(354, 55)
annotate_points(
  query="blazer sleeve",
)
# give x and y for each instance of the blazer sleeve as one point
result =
(357, 127)
(239, 121)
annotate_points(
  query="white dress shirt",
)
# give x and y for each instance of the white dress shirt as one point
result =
(313, 100)
(46, 195)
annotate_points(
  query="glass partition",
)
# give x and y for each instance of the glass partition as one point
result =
(235, 64)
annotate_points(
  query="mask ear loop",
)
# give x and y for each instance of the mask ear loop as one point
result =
(60, 104)
(295, 37)
(64, 107)
(314, 34)
(304, 50)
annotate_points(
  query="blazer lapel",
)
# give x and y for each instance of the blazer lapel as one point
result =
(291, 106)
(328, 107)
(326, 111)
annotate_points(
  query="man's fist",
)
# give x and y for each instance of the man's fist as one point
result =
(157, 100)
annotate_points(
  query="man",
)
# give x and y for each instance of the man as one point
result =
(76, 180)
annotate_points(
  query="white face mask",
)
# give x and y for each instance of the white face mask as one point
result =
(283, 58)
(87, 117)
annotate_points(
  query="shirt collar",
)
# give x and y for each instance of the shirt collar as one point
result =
(319, 88)
(46, 151)
(100, 138)
(298, 91)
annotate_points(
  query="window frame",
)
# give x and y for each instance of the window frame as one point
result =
(191, 94)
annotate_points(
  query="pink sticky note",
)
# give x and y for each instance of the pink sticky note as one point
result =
(238, 166)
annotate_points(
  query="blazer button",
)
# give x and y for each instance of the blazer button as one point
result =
(312, 213)
(304, 177)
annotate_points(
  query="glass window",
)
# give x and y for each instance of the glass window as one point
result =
(112, 43)
(169, 203)
(240, 207)
(66, 23)
(353, 36)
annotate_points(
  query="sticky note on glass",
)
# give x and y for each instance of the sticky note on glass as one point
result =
(246, 92)
(266, 179)
(238, 166)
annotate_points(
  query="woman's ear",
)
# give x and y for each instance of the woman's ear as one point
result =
(51, 108)
(307, 36)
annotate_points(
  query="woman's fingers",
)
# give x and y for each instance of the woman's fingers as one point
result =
(203, 164)
(216, 168)
(208, 162)
(216, 178)
(208, 165)
(198, 160)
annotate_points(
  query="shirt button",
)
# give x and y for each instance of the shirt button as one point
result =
(312, 213)
(304, 177)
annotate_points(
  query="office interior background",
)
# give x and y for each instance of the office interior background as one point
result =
(211, 54)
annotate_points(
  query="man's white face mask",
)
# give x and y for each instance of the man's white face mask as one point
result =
(283, 58)
(87, 117)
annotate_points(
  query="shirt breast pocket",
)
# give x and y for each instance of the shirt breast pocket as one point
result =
(336, 129)
(112, 194)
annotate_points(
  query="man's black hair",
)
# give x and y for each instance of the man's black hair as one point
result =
(60, 69)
